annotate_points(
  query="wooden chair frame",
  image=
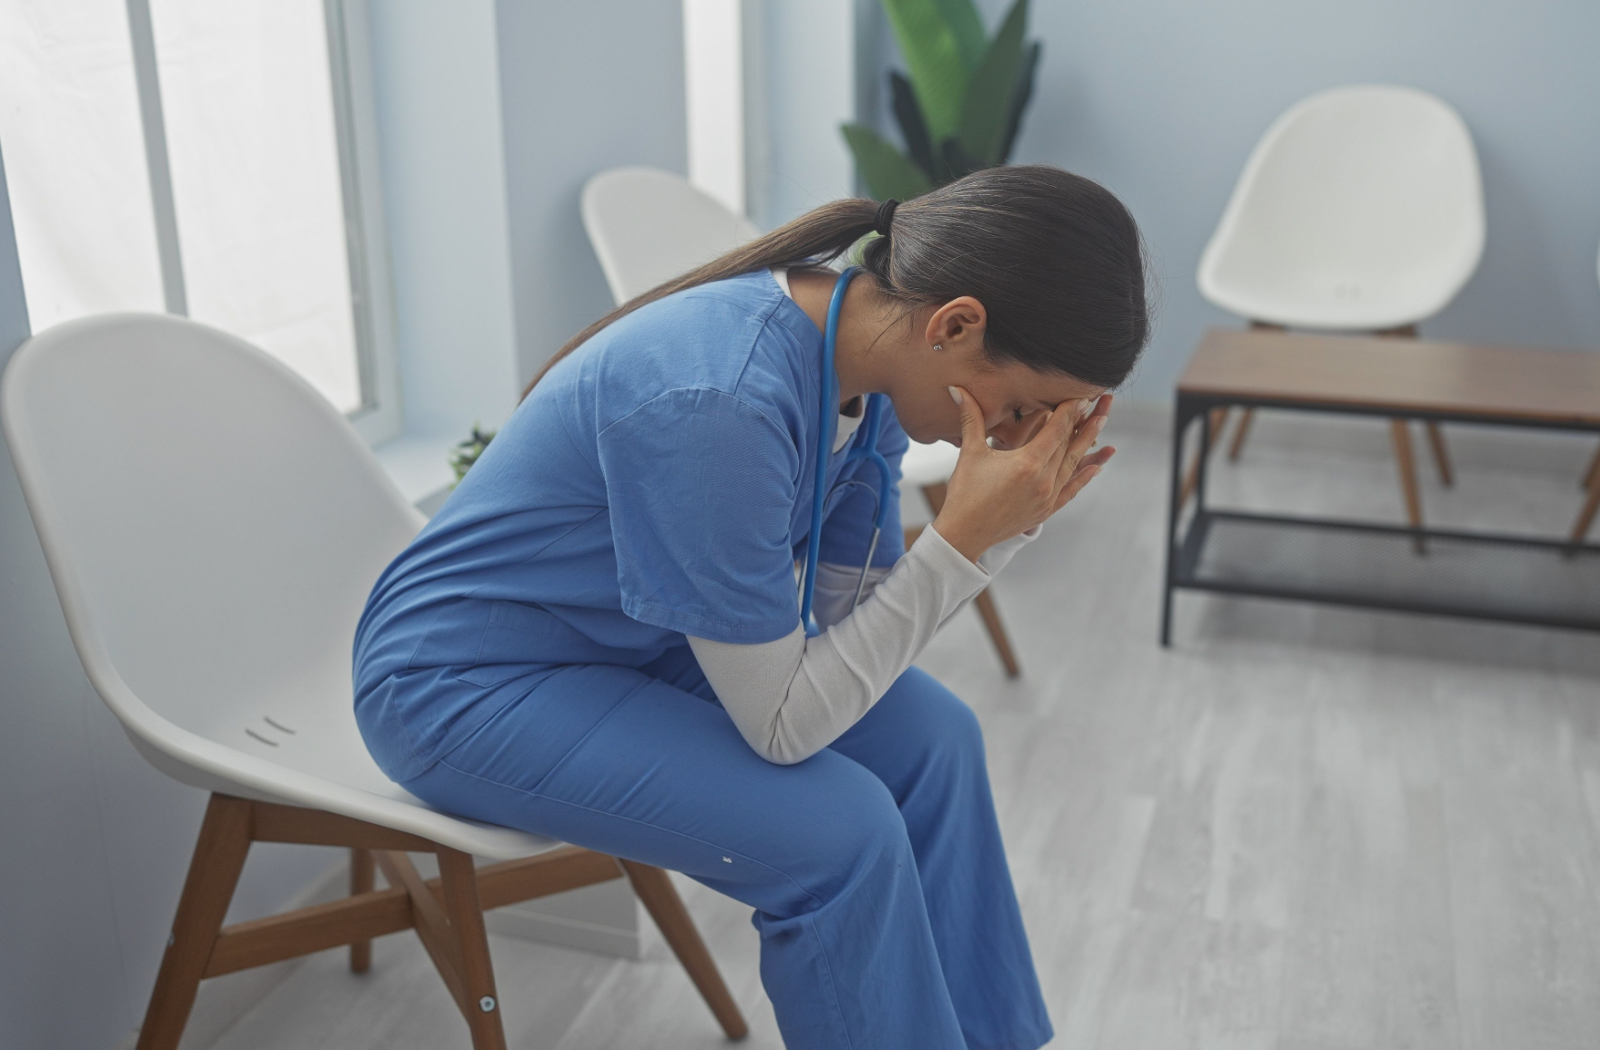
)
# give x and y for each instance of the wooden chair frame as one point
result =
(446, 912)
(1591, 502)
(984, 602)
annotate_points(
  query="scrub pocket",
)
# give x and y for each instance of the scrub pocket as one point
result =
(501, 654)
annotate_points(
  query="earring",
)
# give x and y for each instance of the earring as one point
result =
(938, 346)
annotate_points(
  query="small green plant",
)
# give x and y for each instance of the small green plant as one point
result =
(960, 109)
(464, 455)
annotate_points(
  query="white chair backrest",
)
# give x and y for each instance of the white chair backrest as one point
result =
(1360, 208)
(648, 226)
(213, 526)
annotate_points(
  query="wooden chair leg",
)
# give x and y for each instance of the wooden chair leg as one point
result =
(1580, 529)
(661, 900)
(935, 495)
(1441, 455)
(1407, 463)
(1591, 473)
(1219, 417)
(1246, 417)
(213, 873)
(361, 871)
(997, 632)
(458, 879)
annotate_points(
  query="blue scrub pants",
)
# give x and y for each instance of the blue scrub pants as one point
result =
(882, 896)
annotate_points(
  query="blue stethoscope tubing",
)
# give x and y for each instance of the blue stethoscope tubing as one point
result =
(864, 447)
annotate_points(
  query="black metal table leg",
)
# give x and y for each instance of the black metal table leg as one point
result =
(1183, 411)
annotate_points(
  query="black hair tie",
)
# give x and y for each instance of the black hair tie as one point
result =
(884, 216)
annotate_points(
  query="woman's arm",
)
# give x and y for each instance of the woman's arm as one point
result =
(793, 697)
(836, 584)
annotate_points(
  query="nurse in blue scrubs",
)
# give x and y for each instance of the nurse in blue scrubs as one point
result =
(598, 636)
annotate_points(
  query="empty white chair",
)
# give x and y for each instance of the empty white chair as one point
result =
(1361, 209)
(648, 226)
(213, 527)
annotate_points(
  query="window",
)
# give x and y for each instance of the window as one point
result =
(713, 46)
(209, 159)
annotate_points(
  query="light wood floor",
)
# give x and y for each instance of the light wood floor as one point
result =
(1299, 829)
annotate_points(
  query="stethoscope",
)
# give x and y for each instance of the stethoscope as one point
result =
(865, 446)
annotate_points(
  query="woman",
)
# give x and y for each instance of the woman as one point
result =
(598, 637)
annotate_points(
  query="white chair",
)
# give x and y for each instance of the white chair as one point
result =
(648, 226)
(213, 527)
(1361, 209)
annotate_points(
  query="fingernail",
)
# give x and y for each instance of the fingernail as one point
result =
(1099, 424)
(955, 395)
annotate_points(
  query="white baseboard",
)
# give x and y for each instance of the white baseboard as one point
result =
(519, 920)
(601, 918)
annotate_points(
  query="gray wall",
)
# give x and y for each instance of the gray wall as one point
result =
(583, 87)
(1161, 100)
(93, 842)
(436, 97)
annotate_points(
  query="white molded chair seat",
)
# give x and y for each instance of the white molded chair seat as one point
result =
(930, 464)
(213, 526)
(1361, 208)
(649, 226)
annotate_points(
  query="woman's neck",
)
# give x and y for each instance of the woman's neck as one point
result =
(861, 353)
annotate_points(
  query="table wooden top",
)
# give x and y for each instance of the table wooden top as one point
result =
(1534, 384)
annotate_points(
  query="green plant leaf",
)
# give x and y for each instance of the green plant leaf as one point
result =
(957, 161)
(986, 110)
(964, 21)
(933, 59)
(914, 129)
(1020, 99)
(887, 171)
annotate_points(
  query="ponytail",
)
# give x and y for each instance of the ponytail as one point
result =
(1055, 259)
(819, 236)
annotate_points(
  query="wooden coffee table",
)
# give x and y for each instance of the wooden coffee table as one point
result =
(1551, 581)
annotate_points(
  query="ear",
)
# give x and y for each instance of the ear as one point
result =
(959, 323)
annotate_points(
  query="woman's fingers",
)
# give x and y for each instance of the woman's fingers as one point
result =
(974, 435)
(1082, 441)
(1053, 437)
(1087, 470)
(1036, 422)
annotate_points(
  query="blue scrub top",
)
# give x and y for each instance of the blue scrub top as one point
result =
(657, 483)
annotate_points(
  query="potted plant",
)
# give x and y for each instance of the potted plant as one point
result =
(466, 453)
(960, 103)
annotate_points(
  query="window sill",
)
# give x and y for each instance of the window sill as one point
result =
(419, 465)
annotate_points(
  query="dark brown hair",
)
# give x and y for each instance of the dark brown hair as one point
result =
(1055, 259)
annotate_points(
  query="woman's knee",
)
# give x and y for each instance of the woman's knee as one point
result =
(938, 721)
(852, 833)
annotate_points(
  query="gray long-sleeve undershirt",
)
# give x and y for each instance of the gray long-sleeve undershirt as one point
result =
(792, 697)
